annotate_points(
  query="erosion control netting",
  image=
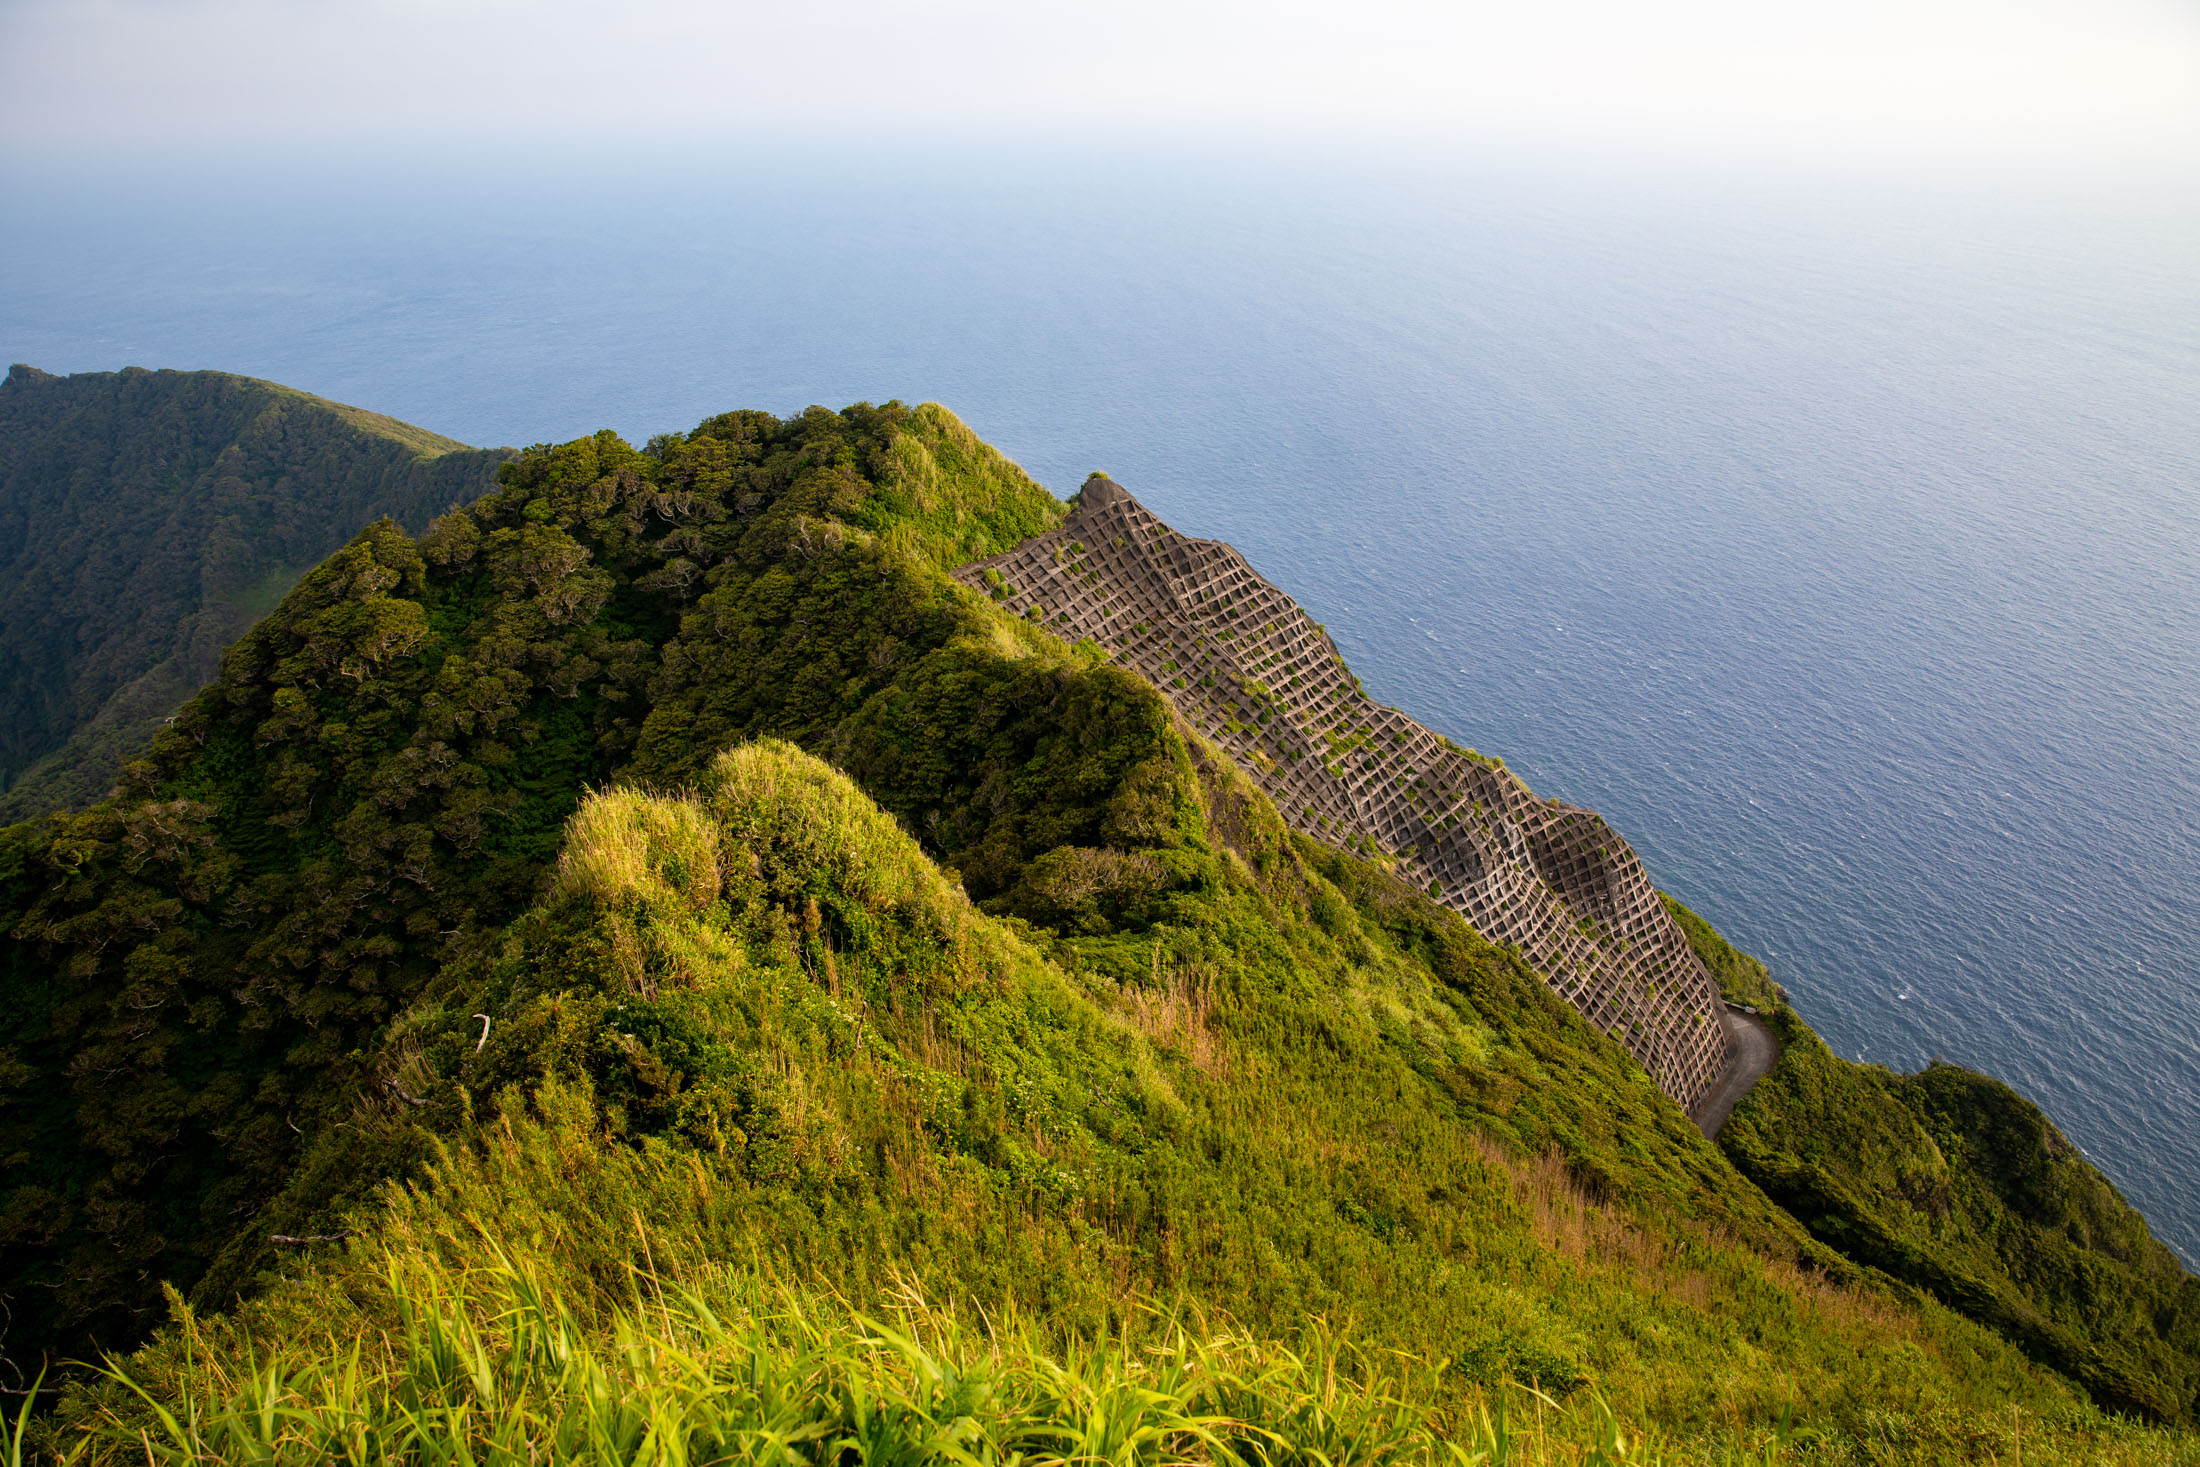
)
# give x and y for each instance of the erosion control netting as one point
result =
(1250, 670)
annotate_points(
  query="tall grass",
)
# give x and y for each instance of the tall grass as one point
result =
(494, 1367)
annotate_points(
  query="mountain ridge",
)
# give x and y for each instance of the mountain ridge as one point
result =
(666, 850)
(153, 516)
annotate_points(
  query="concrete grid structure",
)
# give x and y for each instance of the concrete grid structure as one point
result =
(1251, 671)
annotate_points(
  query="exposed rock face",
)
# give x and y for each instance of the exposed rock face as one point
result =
(1253, 672)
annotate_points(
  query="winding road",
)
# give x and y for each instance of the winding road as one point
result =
(1754, 1051)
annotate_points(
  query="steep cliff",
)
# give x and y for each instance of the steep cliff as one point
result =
(1250, 670)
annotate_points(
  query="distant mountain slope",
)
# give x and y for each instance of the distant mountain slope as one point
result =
(146, 520)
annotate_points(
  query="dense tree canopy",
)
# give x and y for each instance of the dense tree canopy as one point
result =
(146, 520)
(383, 767)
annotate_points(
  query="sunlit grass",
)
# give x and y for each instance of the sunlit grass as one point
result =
(501, 1362)
(626, 844)
(581, 1270)
(495, 1367)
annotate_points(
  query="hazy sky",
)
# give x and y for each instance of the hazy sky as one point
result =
(2053, 80)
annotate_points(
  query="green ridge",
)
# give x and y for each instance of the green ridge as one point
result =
(905, 956)
(147, 520)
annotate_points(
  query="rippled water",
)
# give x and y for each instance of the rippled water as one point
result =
(1839, 541)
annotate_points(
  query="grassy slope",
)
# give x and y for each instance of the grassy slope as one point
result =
(151, 517)
(754, 1034)
(1951, 1181)
(1185, 1055)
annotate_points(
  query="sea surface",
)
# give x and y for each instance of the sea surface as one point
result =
(1837, 537)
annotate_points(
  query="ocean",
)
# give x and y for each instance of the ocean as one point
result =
(1838, 538)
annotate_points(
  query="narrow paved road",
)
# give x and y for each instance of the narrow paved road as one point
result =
(1754, 1051)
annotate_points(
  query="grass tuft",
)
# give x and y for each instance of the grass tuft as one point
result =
(625, 845)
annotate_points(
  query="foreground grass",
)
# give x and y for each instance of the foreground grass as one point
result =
(497, 1366)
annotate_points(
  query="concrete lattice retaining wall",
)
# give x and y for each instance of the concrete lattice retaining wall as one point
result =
(1251, 671)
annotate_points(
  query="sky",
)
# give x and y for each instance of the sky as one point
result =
(2026, 82)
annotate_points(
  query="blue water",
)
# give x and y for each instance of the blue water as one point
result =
(1838, 539)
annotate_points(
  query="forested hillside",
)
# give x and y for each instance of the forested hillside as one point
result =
(652, 961)
(146, 520)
